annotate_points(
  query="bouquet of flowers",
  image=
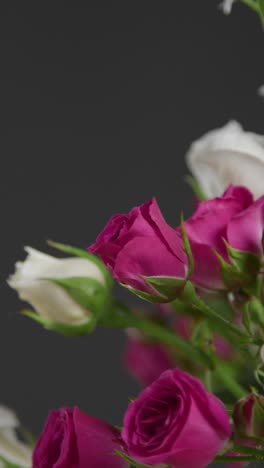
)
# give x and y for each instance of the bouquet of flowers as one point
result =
(197, 350)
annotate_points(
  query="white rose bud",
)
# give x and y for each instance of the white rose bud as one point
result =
(225, 156)
(12, 450)
(66, 291)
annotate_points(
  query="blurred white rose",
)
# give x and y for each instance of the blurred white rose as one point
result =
(52, 302)
(226, 6)
(11, 449)
(225, 156)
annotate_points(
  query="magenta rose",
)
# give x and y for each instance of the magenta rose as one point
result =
(72, 439)
(176, 422)
(234, 218)
(146, 361)
(140, 244)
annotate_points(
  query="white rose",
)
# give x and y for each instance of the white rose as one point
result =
(226, 6)
(51, 301)
(225, 156)
(11, 449)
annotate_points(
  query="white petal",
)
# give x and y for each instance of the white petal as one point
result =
(49, 300)
(13, 450)
(40, 265)
(227, 156)
(226, 6)
(8, 418)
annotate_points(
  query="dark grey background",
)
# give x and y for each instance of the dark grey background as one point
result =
(98, 104)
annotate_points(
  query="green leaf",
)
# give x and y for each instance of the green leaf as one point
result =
(87, 292)
(196, 188)
(187, 248)
(77, 252)
(84, 328)
(168, 287)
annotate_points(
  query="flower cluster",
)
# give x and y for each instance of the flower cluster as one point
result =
(197, 352)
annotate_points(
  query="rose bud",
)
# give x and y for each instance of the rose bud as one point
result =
(145, 360)
(143, 252)
(67, 294)
(13, 452)
(175, 422)
(233, 220)
(248, 417)
(228, 155)
(73, 439)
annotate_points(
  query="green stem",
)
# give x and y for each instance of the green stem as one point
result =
(230, 383)
(252, 4)
(249, 450)
(238, 458)
(121, 317)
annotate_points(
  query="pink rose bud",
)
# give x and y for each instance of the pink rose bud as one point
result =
(141, 244)
(176, 422)
(235, 218)
(248, 416)
(73, 439)
(146, 361)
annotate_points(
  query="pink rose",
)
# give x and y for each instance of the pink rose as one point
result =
(146, 361)
(72, 439)
(176, 422)
(234, 217)
(139, 244)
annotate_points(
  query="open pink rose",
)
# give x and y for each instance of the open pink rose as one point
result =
(139, 244)
(234, 217)
(176, 422)
(72, 439)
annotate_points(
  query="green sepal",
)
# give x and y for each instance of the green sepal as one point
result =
(144, 295)
(246, 262)
(133, 463)
(232, 277)
(77, 252)
(84, 328)
(87, 292)
(258, 417)
(187, 248)
(167, 286)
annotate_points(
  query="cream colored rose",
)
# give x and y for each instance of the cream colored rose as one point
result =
(12, 450)
(225, 156)
(51, 301)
